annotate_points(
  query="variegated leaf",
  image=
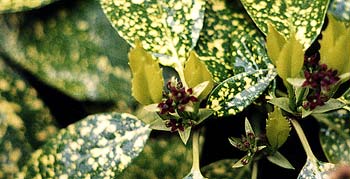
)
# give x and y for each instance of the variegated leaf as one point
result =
(223, 169)
(315, 170)
(340, 9)
(335, 135)
(99, 146)
(254, 72)
(304, 17)
(223, 24)
(234, 94)
(168, 28)
(7, 6)
(73, 48)
(25, 123)
(14, 146)
(163, 157)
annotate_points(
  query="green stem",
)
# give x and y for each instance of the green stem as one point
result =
(255, 170)
(291, 96)
(303, 140)
(195, 150)
(301, 96)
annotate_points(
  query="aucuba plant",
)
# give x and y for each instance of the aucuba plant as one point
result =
(278, 71)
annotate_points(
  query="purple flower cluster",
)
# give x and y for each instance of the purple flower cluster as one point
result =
(175, 99)
(319, 79)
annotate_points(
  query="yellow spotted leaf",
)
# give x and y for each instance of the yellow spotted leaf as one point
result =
(72, 48)
(7, 6)
(169, 29)
(196, 72)
(340, 9)
(304, 17)
(147, 82)
(99, 146)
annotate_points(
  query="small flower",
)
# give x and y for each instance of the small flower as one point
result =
(319, 79)
(176, 98)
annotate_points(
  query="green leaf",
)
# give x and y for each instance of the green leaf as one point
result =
(330, 105)
(335, 135)
(277, 128)
(98, 146)
(167, 28)
(278, 159)
(248, 128)
(72, 48)
(224, 27)
(282, 103)
(305, 18)
(340, 9)
(7, 6)
(147, 82)
(234, 94)
(223, 169)
(164, 156)
(196, 72)
(315, 170)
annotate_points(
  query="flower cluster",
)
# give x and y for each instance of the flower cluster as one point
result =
(176, 99)
(319, 79)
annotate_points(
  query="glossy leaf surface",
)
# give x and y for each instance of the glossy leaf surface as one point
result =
(98, 146)
(224, 25)
(73, 48)
(7, 6)
(335, 135)
(340, 9)
(234, 94)
(315, 170)
(304, 17)
(168, 28)
(163, 157)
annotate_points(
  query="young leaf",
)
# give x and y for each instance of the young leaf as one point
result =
(282, 103)
(274, 43)
(196, 72)
(234, 94)
(306, 17)
(7, 6)
(169, 28)
(69, 49)
(99, 146)
(278, 159)
(334, 39)
(277, 128)
(147, 82)
(335, 135)
(315, 170)
(185, 135)
(289, 57)
(223, 169)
